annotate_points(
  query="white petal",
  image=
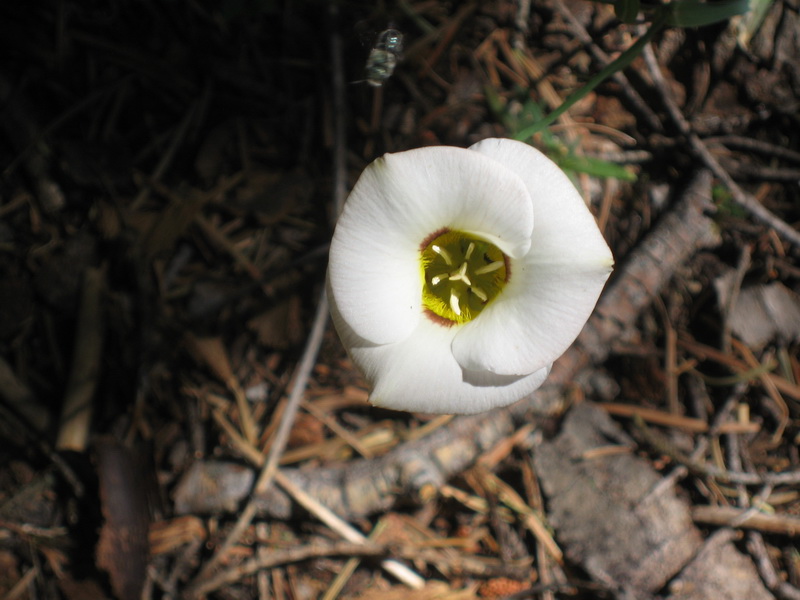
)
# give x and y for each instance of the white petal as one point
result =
(441, 186)
(379, 296)
(553, 290)
(398, 202)
(564, 226)
(533, 321)
(420, 374)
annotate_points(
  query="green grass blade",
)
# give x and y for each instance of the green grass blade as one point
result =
(595, 167)
(627, 10)
(692, 13)
(622, 61)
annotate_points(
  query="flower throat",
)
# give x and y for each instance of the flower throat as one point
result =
(461, 274)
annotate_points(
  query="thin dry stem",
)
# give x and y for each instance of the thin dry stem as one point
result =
(269, 469)
(76, 414)
(742, 198)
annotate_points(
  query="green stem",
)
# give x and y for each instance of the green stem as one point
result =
(622, 61)
(738, 377)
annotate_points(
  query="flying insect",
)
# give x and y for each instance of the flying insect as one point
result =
(384, 56)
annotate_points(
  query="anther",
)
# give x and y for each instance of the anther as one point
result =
(479, 293)
(443, 253)
(470, 250)
(462, 274)
(490, 267)
(454, 303)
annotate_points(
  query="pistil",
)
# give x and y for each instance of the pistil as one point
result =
(460, 274)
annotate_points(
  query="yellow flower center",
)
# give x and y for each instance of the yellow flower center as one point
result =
(461, 274)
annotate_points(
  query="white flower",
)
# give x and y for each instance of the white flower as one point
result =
(457, 276)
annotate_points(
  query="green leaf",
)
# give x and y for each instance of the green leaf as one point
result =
(627, 10)
(693, 13)
(596, 167)
(726, 207)
(495, 103)
(622, 61)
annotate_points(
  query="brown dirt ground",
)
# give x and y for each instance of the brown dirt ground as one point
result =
(168, 173)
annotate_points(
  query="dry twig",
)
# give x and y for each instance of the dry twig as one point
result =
(270, 466)
(742, 198)
(730, 516)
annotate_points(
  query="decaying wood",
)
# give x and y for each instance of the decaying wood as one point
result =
(612, 516)
(122, 548)
(417, 469)
(605, 512)
(719, 571)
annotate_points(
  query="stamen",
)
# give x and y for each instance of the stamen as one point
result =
(479, 293)
(470, 250)
(454, 303)
(461, 275)
(490, 267)
(443, 253)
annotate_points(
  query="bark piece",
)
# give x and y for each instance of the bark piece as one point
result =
(719, 571)
(212, 486)
(123, 547)
(363, 487)
(761, 313)
(604, 508)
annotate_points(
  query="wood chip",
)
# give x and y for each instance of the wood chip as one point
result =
(719, 571)
(604, 514)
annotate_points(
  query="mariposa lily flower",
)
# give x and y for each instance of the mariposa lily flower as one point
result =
(457, 276)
